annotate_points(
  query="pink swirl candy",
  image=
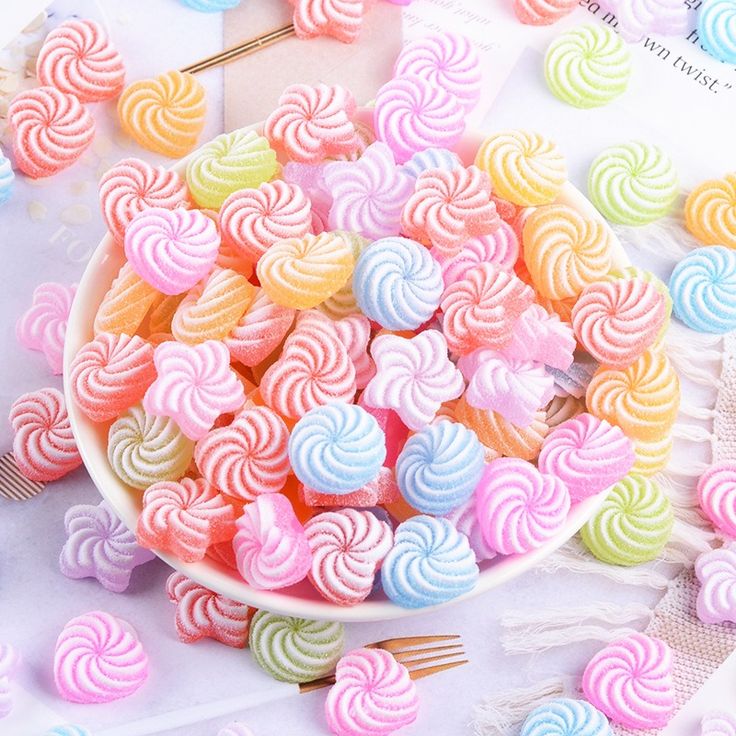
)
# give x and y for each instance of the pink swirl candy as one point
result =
(717, 496)
(465, 519)
(543, 12)
(341, 19)
(270, 545)
(171, 249)
(43, 326)
(98, 659)
(630, 680)
(716, 572)
(44, 447)
(411, 114)
(519, 508)
(373, 694)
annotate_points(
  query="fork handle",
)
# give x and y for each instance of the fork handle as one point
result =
(200, 713)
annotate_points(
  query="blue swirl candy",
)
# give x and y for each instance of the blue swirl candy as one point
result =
(68, 730)
(439, 467)
(211, 6)
(431, 562)
(703, 289)
(337, 448)
(7, 178)
(717, 29)
(397, 283)
(431, 158)
(566, 717)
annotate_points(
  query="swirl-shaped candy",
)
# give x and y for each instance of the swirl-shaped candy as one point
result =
(716, 571)
(125, 304)
(717, 29)
(373, 694)
(295, 649)
(588, 66)
(412, 114)
(354, 331)
(211, 6)
(525, 168)
(566, 717)
(7, 178)
(51, 130)
(165, 114)
(639, 18)
(341, 19)
(652, 456)
(78, 58)
(718, 723)
(630, 680)
(431, 158)
(144, 449)
(717, 496)
(543, 12)
(465, 519)
(633, 525)
(710, 211)
(343, 303)
(98, 659)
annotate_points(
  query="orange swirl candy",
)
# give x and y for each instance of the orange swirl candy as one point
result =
(162, 313)
(710, 211)
(565, 251)
(165, 114)
(525, 168)
(126, 304)
(302, 272)
(643, 399)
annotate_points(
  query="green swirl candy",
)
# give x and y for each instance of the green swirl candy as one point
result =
(295, 649)
(588, 66)
(633, 525)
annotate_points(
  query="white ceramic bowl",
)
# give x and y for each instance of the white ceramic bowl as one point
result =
(300, 600)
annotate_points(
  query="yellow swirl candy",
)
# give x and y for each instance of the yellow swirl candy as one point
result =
(651, 457)
(126, 304)
(710, 211)
(238, 160)
(165, 114)
(343, 303)
(525, 168)
(303, 272)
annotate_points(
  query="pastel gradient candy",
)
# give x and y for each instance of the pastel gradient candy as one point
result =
(9, 663)
(100, 546)
(248, 457)
(44, 447)
(717, 29)
(702, 288)
(652, 456)
(526, 168)
(588, 66)
(630, 680)
(633, 525)
(126, 303)
(414, 377)
(295, 649)
(465, 519)
(542, 12)
(566, 717)
(342, 303)
(381, 490)
(164, 114)
(184, 518)
(51, 130)
(448, 207)
(232, 161)
(634, 183)
(412, 114)
(133, 185)
(446, 60)
(542, 337)
(482, 309)
(354, 331)
(78, 58)
(439, 468)
(617, 321)
(270, 545)
(347, 547)
(717, 496)
(716, 572)
(587, 454)
(431, 158)
(7, 179)
(397, 283)
(211, 6)
(367, 195)
(519, 508)
(341, 19)
(634, 272)
(718, 723)
(373, 694)
(110, 374)
(203, 614)
(98, 659)
(43, 326)
(638, 18)
(144, 449)
(431, 562)
(236, 728)
(710, 211)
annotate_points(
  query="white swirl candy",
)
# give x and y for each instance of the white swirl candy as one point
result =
(716, 571)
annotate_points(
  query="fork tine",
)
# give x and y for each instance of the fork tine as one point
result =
(393, 645)
(410, 655)
(418, 674)
(418, 663)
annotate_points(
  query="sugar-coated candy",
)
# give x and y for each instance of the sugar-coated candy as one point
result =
(164, 114)
(373, 694)
(44, 447)
(562, 408)
(341, 19)
(9, 664)
(465, 519)
(354, 331)
(575, 379)
(203, 614)
(566, 717)
(717, 29)
(393, 428)
(716, 572)
(98, 659)
(543, 12)
(295, 649)
(588, 66)
(343, 303)
(43, 326)
(630, 680)
(347, 548)
(100, 546)
(439, 467)
(717, 496)
(381, 490)
(638, 18)
(144, 449)
(633, 525)
(542, 337)
(652, 456)
(51, 130)
(211, 6)
(411, 114)
(718, 723)
(710, 211)
(7, 178)
(431, 562)
(634, 272)
(633, 183)
(184, 518)
(78, 58)
(235, 728)
(431, 158)
(68, 729)
(446, 60)
(126, 303)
